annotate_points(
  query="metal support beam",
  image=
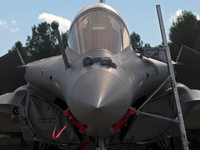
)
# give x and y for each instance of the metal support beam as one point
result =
(153, 93)
(171, 71)
(157, 116)
(102, 1)
(102, 143)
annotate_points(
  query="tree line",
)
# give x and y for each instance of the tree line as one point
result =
(185, 30)
(41, 44)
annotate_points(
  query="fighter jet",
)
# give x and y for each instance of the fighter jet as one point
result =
(100, 93)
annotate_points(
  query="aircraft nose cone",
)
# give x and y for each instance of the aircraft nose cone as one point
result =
(98, 100)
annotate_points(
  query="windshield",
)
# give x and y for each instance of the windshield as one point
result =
(98, 30)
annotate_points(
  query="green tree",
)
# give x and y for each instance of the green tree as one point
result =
(64, 37)
(42, 42)
(147, 45)
(184, 31)
(161, 45)
(135, 40)
(18, 45)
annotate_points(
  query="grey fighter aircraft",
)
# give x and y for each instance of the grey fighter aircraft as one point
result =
(94, 95)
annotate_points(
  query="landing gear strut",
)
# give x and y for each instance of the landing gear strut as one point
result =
(161, 145)
(43, 146)
(102, 143)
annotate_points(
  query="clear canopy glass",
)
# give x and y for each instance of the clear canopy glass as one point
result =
(98, 30)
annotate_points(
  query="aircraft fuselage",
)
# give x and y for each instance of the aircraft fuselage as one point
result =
(98, 95)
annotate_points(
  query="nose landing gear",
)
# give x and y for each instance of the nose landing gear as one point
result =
(166, 144)
(102, 143)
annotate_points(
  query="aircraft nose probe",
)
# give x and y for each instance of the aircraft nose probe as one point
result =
(54, 26)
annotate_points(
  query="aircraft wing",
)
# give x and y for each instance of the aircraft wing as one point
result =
(26, 108)
(151, 129)
(9, 81)
(190, 102)
(40, 119)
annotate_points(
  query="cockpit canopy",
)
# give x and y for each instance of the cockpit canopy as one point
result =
(98, 27)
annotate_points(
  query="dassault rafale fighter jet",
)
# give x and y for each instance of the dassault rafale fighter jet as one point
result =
(100, 93)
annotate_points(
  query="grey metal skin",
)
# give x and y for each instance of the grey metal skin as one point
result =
(98, 96)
